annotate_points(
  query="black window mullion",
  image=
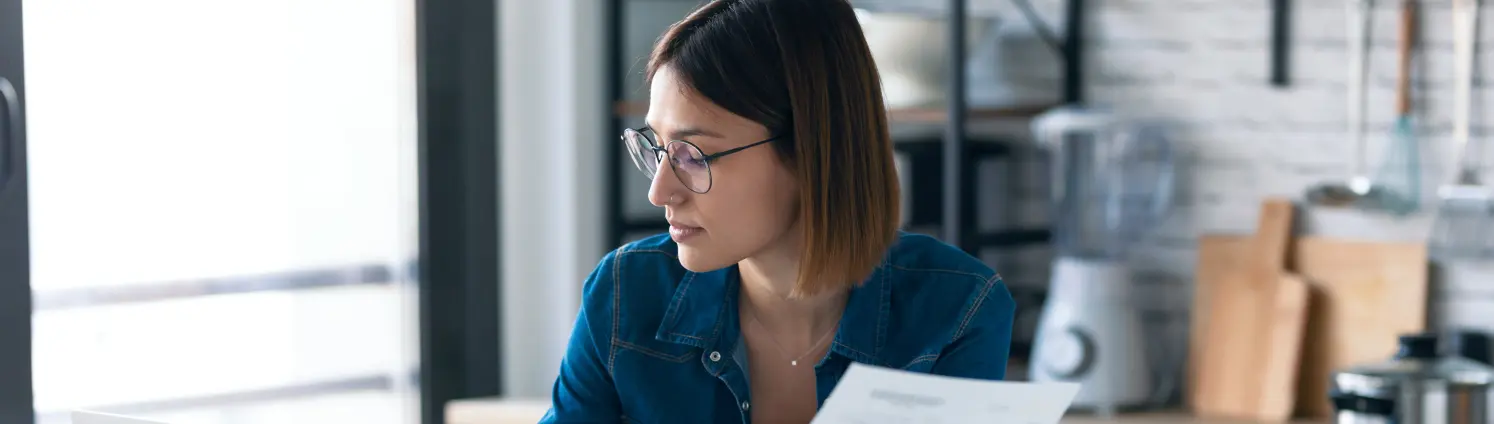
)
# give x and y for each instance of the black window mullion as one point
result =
(16, 405)
(457, 42)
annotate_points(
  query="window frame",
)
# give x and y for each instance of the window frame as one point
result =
(16, 397)
(458, 266)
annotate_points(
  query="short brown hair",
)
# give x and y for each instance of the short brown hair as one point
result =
(802, 69)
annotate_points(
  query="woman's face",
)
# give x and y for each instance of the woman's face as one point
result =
(752, 201)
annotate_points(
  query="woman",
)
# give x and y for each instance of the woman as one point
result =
(767, 142)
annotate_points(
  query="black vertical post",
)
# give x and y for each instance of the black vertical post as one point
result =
(612, 147)
(16, 405)
(1281, 27)
(955, 225)
(1073, 52)
(459, 257)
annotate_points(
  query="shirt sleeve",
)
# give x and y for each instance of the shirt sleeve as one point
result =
(983, 343)
(584, 391)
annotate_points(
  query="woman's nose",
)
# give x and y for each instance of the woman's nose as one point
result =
(664, 187)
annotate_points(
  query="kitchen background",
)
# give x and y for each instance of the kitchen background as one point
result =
(1200, 66)
(255, 289)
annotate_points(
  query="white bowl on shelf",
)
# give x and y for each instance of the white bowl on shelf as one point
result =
(912, 54)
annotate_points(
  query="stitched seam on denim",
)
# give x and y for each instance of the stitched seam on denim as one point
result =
(685, 336)
(684, 290)
(969, 316)
(948, 271)
(925, 358)
(848, 347)
(716, 333)
(620, 251)
(616, 308)
(654, 353)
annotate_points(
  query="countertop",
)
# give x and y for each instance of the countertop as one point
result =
(528, 411)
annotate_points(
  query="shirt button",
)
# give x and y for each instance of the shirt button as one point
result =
(745, 406)
(715, 356)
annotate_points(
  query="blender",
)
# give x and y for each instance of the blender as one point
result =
(1112, 181)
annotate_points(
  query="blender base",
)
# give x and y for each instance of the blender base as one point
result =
(1090, 334)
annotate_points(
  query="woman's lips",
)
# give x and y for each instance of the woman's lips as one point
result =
(680, 233)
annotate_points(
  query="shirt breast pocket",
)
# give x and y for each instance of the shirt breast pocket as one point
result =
(665, 352)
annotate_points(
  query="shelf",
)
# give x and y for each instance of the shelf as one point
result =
(1013, 238)
(929, 115)
(925, 149)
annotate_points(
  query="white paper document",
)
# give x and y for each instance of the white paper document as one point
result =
(875, 395)
(90, 417)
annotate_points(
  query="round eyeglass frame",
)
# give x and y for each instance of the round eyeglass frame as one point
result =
(637, 142)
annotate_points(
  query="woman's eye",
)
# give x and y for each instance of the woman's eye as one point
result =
(688, 162)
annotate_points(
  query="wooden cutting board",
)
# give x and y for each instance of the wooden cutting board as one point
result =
(1249, 339)
(1367, 294)
(1364, 295)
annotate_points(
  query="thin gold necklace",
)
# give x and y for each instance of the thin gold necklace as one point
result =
(795, 361)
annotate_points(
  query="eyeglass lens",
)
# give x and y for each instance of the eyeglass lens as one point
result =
(687, 160)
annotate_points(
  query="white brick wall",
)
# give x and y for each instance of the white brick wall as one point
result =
(1202, 64)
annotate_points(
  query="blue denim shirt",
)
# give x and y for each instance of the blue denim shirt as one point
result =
(656, 343)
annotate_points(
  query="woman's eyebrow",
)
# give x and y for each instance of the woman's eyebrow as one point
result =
(686, 132)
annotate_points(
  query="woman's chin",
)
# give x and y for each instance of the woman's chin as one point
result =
(697, 260)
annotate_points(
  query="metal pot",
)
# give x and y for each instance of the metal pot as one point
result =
(1417, 386)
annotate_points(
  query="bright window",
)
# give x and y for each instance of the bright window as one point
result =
(262, 150)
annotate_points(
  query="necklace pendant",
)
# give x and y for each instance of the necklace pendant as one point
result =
(794, 363)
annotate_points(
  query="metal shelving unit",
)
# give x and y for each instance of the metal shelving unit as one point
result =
(612, 149)
(958, 190)
(956, 158)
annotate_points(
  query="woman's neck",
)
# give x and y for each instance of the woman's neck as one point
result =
(768, 278)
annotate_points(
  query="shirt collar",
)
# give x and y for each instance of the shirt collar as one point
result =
(703, 313)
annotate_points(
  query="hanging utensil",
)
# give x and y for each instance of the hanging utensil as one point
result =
(1463, 217)
(1359, 191)
(1400, 171)
(1280, 27)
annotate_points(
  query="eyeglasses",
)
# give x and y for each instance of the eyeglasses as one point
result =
(690, 165)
